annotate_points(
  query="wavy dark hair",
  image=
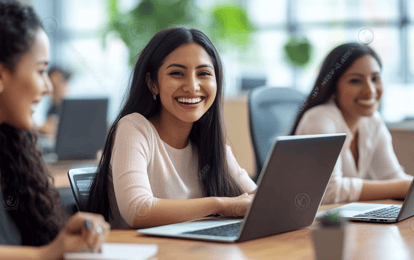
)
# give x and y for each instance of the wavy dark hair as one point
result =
(207, 134)
(37, 211)
(334, 65)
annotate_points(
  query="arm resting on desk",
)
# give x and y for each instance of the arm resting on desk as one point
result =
(384, 189)
(27, 252)
(167, 211)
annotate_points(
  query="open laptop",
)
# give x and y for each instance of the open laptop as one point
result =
(81, 131)
(290, 190)
(378, 213)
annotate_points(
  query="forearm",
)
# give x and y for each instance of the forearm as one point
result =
(384, 189)
(166, 211)
(27, 253)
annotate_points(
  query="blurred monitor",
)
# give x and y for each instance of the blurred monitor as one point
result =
(82, 128)
(251, 83)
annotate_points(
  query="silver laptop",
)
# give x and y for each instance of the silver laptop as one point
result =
(378, 213)
(290, 190)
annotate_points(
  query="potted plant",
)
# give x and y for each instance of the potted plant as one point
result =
(226, 24)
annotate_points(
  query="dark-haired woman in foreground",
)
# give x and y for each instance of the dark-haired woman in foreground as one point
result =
(32, 220)
(345, 99)
(165, 159)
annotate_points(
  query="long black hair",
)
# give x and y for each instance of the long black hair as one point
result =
(29, 196)
(334, 65)
(207, 134)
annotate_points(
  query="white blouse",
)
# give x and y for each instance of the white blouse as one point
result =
(376, 155)
(145, 169)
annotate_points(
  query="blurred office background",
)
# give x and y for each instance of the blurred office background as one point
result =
(75, 29)
(255, 39)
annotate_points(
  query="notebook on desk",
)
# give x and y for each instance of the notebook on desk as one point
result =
(377, 213)
(290, 190)
(81, 131)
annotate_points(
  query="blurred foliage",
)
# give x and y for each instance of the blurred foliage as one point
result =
(226, 24)
(298, 51)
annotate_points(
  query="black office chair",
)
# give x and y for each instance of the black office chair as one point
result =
(80, 180)
(272, 112)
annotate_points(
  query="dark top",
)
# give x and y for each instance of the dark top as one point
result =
(9, 233)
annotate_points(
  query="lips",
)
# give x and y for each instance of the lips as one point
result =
(367, 102)
(189, 100)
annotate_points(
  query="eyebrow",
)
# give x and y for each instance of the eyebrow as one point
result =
(184, 67)
(43, 62)
(361, 75)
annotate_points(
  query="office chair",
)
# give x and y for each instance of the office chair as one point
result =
(80, 180)
(272, 112)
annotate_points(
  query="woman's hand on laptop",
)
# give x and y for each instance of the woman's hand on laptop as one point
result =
(235, 206)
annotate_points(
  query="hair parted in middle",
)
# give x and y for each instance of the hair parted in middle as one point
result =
(207, 134)
(333, 67)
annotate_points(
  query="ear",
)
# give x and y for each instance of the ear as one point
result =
(152, 87)
(3, 71)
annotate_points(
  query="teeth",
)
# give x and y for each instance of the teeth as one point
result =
(367, 102)
(189, 100)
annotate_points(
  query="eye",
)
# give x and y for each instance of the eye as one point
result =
(376, 78)
(42, 71)
(355, 81)
(176, 73)
(205, 73)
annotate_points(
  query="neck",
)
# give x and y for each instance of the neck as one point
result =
(351, 121)
(173, 131)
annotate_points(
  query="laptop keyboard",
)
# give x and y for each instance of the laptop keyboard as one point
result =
(229, 230)
(389, 212)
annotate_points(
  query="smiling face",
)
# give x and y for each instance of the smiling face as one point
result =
(25, 85)
(359, 89)
(187, 84)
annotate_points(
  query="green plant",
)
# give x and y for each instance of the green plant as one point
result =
(231, 26)
(298, 51)
(226, 24)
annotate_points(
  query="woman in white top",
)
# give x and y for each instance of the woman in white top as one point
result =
(33, 224)
(165, 159)
(345, 99)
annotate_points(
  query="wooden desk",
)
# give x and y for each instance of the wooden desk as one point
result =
(363, 241)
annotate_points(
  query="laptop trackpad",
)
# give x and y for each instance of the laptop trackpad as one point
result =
(353, 209)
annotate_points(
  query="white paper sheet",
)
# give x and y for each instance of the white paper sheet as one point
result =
(117, 251)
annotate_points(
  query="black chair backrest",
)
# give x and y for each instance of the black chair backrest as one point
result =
(80, 180)
(272, 112)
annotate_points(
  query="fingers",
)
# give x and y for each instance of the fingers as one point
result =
(91, 228)
(241, 205)
(96, 232)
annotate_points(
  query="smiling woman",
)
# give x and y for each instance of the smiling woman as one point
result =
(165, 159)
(345, 99)
(30, 211)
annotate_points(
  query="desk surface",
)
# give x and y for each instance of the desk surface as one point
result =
(363, 241)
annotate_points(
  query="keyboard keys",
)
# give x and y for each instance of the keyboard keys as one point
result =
(389, 212)
(229, 230)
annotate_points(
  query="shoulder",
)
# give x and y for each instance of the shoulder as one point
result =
(375, 126)
(134, 123)
(321, 119)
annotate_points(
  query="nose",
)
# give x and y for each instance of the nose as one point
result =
(370, 89)
(48, 87)
(192, 84)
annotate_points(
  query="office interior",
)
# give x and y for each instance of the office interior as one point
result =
(254, 51)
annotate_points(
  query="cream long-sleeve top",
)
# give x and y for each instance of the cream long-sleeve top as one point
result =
(146, 169)
(376, 155)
